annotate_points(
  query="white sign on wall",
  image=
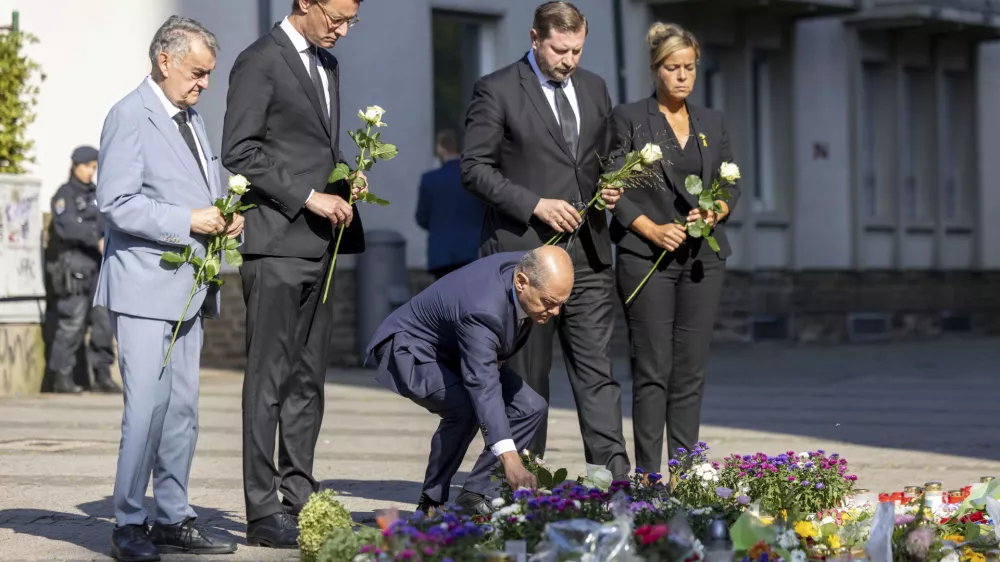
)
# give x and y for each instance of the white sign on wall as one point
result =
(21, 267)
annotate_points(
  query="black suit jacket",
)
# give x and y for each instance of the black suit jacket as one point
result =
(275, 135)
(637, 123)
(515, 154)
(457, 331)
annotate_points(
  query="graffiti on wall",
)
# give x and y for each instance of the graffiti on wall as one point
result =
(20, 239)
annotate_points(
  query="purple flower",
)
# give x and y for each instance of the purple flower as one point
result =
(682, 450)
(654, 477)
(639, 470)
(820, 486)
(724, 493)
(673, 463)
(805, 482)
(684, 476)
(743, 500)
(791, 479)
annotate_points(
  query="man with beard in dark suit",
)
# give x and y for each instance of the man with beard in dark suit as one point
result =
(446, 350)
(535, 133)
(282, 132)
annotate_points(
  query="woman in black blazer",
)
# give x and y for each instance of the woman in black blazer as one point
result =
(671, 319)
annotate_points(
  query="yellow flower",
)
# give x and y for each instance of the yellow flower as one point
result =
(806, 530)
(954, 538)
(833, 541)
(972, 556)
(702, 137)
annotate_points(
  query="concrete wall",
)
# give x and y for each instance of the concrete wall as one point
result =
(989, 154)
(822, 227)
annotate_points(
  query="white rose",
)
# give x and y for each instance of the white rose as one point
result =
(372, 115)
(238, 184)
(498, 502)
(798, 556)
(650, 153)
(730, 172)
(600, 477)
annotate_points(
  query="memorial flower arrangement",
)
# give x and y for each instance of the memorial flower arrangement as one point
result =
(803, 482)
(768, 515)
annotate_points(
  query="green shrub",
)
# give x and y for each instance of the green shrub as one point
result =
(343, 545)
(18, 97)
(319, 518)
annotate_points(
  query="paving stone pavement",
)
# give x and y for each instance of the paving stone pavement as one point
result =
(902, 414)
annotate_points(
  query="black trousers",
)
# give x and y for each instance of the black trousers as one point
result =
(73, 315)
(585, 326)
(670, 326)
(288, 337)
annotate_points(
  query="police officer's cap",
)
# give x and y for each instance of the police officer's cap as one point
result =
(84, 154)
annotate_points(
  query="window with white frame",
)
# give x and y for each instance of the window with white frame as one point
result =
(464, 48)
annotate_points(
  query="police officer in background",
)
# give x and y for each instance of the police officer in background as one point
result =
(78, 236)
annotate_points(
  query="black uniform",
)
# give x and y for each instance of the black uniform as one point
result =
(77, 228)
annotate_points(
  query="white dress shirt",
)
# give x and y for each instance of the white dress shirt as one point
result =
(550, 91)
(172, 110)
(302, 46)
(507, 445)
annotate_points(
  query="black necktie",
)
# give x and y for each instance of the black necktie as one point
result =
(567, 118)
(317, 81)
(181, 119)
(523, 328)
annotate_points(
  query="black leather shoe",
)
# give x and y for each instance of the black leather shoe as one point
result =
(131, 543)
(427, 505)
(473, 503)
(274, 531)
(185, 538)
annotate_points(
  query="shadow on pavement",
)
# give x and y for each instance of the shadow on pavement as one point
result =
(915, 396)
(92, 529)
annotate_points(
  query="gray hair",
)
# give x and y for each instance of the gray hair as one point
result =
(174, 38)
(531, 266)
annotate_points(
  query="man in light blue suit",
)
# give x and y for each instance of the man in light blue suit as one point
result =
(158, 184)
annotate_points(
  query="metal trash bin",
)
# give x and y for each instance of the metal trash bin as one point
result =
(381, 284)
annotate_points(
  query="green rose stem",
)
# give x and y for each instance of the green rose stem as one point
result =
(646, 278)
(555, 239)
(213, 247)
(340, 233)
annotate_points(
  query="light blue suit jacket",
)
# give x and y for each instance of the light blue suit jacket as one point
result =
(148, 184)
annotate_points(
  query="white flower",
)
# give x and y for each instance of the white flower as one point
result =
(498, 503)
(731, 172)
(699, 548)
(600, 477)
(798, 556)
(238, 184)
(788, 539)
(650, 153)
(950, 557)
(372, 115)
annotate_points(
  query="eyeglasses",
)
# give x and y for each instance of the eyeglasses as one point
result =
(337, 21)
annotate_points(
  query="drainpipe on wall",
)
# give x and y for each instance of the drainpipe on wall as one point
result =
(619, 50)
(264, 16)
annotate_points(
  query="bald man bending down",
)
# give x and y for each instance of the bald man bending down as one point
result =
(445, 350)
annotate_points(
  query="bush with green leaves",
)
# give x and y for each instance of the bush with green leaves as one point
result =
(320, 517)
(18, 97)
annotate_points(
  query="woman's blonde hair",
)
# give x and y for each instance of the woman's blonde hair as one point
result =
(666, 39)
